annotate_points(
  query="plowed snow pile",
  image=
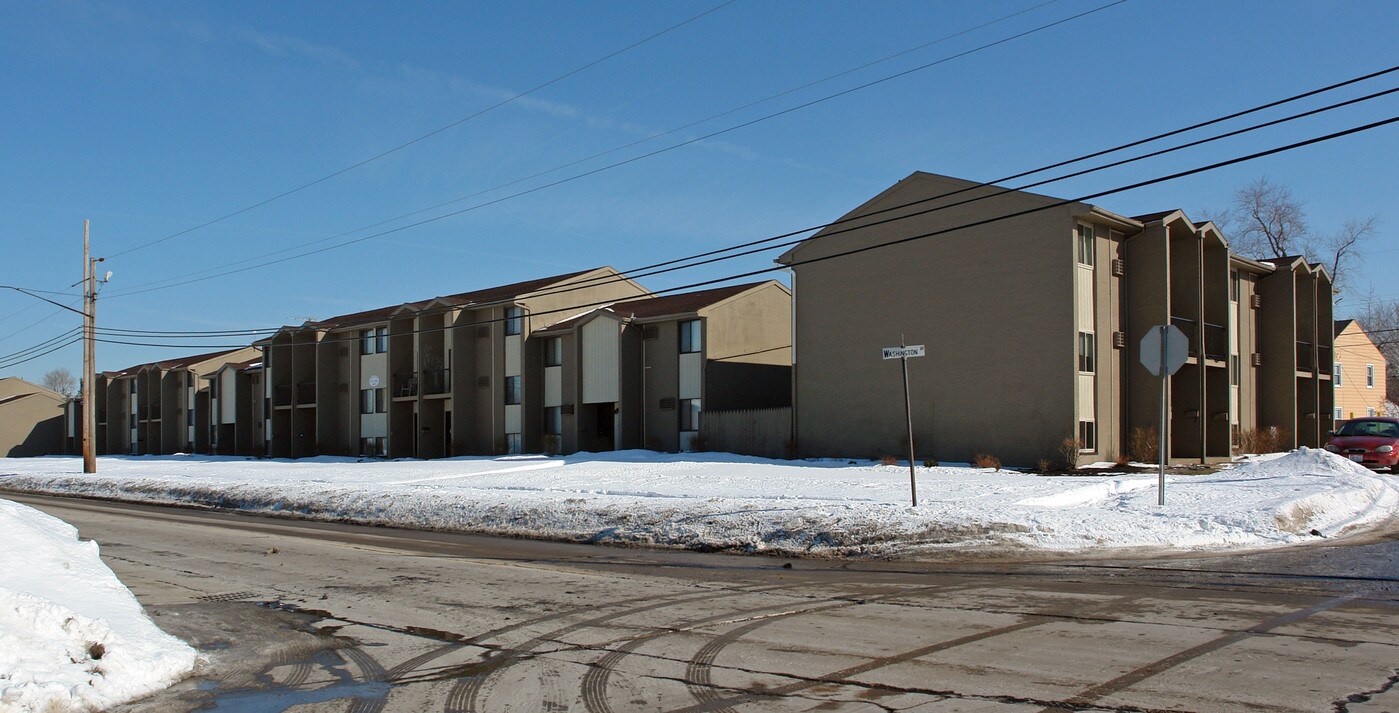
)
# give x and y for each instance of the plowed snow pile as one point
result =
(71, 636)
(720, 501)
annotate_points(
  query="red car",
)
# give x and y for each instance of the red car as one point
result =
(1372, 442)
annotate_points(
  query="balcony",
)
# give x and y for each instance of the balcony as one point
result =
(155, 412)
(306, 393)
(1216, 341)
(405, 385)
(1323, 357)
(437, 381)
(1192, 335)
(143, 413)
(1305, 362)
(282, 394)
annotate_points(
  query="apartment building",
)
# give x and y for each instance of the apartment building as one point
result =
(157, 408)
(1032, 310)
(427, 379)
(1358, 373)
(236, 413)
(643, 373)
(31, 419)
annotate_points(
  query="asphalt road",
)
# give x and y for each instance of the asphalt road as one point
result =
(333, 617)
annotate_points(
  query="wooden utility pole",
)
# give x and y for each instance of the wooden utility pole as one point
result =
(89, 358)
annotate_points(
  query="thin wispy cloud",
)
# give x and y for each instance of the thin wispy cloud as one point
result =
(277, 45)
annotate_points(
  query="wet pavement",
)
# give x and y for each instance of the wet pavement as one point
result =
(314, 617)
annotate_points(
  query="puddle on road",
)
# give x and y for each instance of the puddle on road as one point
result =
(273, 697)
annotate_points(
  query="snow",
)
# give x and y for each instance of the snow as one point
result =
(717, 501)
(72, 637)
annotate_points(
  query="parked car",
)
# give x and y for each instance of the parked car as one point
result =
(1371, 442)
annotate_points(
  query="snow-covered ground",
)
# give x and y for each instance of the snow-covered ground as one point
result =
(719, 501)
(71, 636)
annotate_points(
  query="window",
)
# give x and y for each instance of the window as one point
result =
(1085, 245)
(1336, 373)
(1337, 415)
(514, 444)
(1369, 410)
(512, 390)
(133, 421)
(689, 414)
(1370, 376)
(1233, 369)
(514, 320)
(373, 446)
(1087, 436)
(214, 389)
(1234, 285)
(1087, 349)
(133, 387)
(381, 340)
(553, 420)
(553, 351)
(690, 339)
(366, 341)
(372, 401)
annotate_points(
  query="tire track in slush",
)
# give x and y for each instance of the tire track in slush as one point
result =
(598, 676)
(709, 700)
(472, 678)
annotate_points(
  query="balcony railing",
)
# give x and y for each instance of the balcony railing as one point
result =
(1323, 357)
(437, 381)
(281, 394)
(1304, 357)
(405, 385)
(306, 392)
(1216, 341)
(155, 412)
(1187, 326)
(143, 412)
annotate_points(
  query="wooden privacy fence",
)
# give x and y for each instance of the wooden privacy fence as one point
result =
(755, 432)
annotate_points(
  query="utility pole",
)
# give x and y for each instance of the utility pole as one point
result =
(89, 357)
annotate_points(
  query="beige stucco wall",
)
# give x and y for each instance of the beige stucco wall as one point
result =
(32, 425)
(993, 305)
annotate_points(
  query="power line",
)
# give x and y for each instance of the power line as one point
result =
(943, 231)
(620, 147)
(430, 134)
(47, 342)
(798, 107)
(41, 354)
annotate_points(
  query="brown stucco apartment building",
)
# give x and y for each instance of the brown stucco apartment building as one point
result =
(1032, 326)
(158, 408)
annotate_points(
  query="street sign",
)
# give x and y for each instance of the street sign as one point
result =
(915, 350)
(1153, 356)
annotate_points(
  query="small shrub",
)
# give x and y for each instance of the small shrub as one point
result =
(1068, 452)
(930, 463)
(1141, 445)
(700, 443)
(888, 460)
(1270, 439)
(1044, 465)
(1121, 460)
(986, 460)
(789, 448)
(553, 443)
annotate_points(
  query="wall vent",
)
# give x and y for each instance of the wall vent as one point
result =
(483, 381)
(566, 409)
(1119, 267)
(1257, 301)
(483, 332)
(668, 404)
(1257, 359)
(1119, 340)
(651, 332)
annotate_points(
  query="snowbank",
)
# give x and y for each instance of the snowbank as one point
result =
(71, 636)
(725, 502)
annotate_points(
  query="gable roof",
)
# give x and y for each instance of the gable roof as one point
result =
(16, 397)
(33, 389)
(1340, 326)
(487, 295)
(682, 303)
(176, 363)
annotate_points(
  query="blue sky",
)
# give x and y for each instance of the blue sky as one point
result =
(152, 118)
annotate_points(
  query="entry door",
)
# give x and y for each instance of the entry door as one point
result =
(605, 436)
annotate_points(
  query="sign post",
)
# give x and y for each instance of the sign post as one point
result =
(903, 354)
(1163, 350)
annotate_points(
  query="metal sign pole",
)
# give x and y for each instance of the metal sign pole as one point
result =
(1161, 434)
(908, 417)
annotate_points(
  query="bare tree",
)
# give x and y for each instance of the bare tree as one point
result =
(62, 381)
(1265, 221)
